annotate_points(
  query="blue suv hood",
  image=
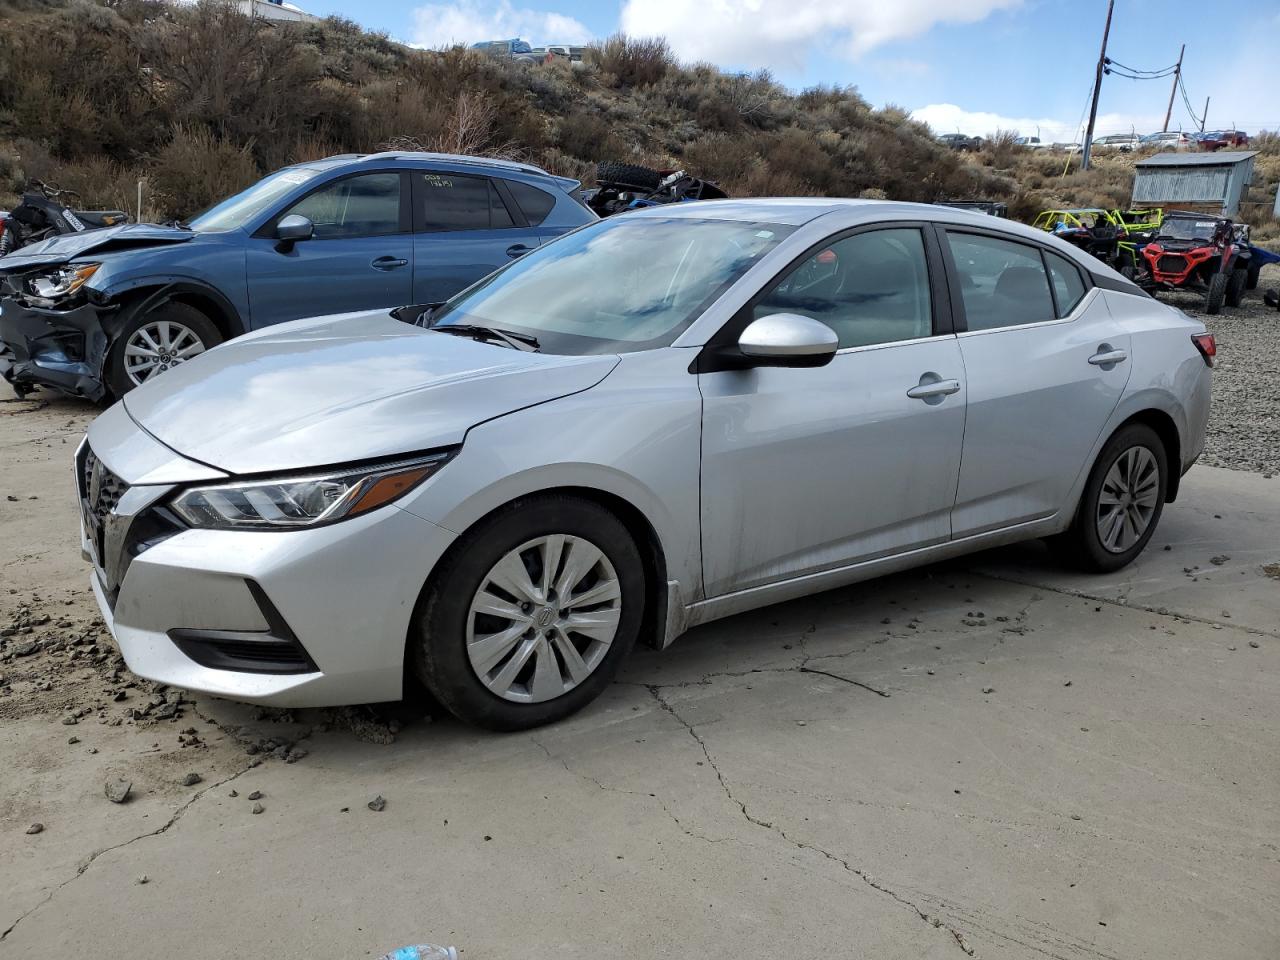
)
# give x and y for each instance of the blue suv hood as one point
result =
(73, 246)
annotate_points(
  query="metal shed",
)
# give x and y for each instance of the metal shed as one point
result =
(1212, 182)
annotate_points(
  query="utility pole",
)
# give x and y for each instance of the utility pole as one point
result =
(1206, 114)
(1177, 76)
(1097, 88)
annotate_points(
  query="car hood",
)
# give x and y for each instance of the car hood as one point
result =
(71, 246)
(344, 388)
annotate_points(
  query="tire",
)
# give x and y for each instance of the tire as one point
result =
(1217, 294)
(1083, 543)
(630, 175)
(1127, 271)
(1236, 287)
(451, 662)
(190, 332)
(1255, 270)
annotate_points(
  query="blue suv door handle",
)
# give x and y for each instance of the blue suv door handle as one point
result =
(518, 250)
(388, 263)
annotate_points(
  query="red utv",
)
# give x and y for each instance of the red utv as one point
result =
(1196, 251)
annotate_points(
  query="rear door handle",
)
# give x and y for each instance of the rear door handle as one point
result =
(518, 250)
(388, 263)
(937, 388)
(1105, 357)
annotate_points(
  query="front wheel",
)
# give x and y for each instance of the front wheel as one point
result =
(1236, 287)
(1121, 503)
(1255, 270)
(530, 615)
(1217, 294)
(156, 341)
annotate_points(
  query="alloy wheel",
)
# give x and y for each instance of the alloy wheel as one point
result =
(156, 346)
(543, 618)
(1128, 499)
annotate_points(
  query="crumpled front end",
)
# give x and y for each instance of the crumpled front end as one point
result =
(60, 348)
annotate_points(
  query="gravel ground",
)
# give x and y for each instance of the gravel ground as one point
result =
(1244, 423)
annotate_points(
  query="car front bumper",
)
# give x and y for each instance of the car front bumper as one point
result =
(313, 617)
(61, 349)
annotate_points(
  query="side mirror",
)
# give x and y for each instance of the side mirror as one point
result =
(291, 229)
(788, 340)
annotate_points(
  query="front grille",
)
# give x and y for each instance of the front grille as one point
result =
(102, 488)
(1171, 264)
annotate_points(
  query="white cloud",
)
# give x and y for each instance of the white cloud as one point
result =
(949, 118)
(782, 33)
(469, 21)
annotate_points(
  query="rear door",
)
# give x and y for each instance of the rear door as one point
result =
(1045, 365)
(358, 259)
(465, 227)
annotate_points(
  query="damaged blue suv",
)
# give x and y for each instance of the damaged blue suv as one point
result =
(94, 314)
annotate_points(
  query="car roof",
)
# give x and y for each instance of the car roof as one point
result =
(429, 157)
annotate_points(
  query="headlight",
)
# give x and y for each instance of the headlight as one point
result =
(62, 281)
(302, 501)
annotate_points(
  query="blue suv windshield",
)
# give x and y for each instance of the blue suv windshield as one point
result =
(235, 211)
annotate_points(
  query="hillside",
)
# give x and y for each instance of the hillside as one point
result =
(200, 101)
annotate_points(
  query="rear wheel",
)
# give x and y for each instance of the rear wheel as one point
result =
(1217, 294)
(1236, 287)
(156, 341)
(1255, 270)
(530, 615)
(1121, 503)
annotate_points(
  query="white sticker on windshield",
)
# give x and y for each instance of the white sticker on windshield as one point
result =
(764, 234)
(298, 177)
(1206, 224)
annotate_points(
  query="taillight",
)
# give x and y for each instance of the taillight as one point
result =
(1207, 346)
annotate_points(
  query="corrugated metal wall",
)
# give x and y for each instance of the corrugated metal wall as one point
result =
(1171, 185)
(1193, 184)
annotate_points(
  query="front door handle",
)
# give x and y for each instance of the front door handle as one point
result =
(518, 250)
(1107, 357)
(933, 389)
(388, 263)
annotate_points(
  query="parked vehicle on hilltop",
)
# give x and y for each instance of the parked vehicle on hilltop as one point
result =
(562, 51)
(44, 212)
(1218, 139)
(656, 421)
(958, 141)
(514, 49)
(96, 314)
(1169, 140)
(1196, 251)
(1121, 142)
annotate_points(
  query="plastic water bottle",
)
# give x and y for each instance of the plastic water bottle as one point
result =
(423, 951)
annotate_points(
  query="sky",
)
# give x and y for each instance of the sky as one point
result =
(966, 66)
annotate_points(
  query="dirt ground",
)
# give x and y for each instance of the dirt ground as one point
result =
(992, 757)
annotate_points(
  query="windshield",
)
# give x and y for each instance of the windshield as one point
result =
(616, 286)
(520, 46)
(235, 211)
(1184, 228)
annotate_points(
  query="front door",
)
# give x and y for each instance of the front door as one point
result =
(1046, 365)
(359, 258)
(804, 470)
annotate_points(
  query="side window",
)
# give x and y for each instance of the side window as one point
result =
(1068, 288)
(1003, 284)
(363, 206)
(869, 288)
(451, 201)
(534, 203)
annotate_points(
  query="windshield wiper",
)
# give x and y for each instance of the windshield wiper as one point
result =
(517, 341)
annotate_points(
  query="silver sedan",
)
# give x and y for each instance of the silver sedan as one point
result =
(658, 420)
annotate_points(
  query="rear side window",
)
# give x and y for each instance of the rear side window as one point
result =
(1068, 288)
(535, 203)
(450, 201)
(1002, 284)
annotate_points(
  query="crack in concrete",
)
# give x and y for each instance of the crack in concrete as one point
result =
(89, 861)
(836, 676)
(631, 793)
(1125, 604)
(934, 921)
